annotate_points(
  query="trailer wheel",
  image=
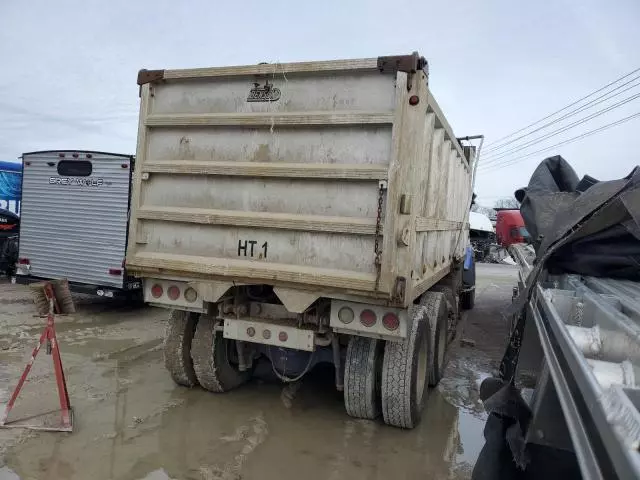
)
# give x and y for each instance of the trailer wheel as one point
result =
(405, 373)
(436, 311)
(213, 358)
(362, 377)
(177, 347)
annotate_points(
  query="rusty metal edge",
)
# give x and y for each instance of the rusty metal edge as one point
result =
(150, 76)
(402, 63)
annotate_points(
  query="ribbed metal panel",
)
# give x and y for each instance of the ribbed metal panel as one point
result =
(75, 231)
(595, 401)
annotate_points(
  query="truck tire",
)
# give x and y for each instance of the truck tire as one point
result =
(177, 347)
(453, 308)
(437, 313)
(212, 358)
(468, 299)
(405, 374)
(468, 294)
(362, 377)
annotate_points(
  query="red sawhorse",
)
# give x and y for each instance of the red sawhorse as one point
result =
(63, 423)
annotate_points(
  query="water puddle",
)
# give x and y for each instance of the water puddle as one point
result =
(154, 431)
(7, 474)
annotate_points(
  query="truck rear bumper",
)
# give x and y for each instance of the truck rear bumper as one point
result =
(269, 333)
(98, 290)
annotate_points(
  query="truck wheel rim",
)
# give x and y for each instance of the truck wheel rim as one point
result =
(423, 362)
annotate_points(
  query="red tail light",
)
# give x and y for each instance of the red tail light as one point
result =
(391, 321)
(173, 292)
(368, 318)
(24, 261)
(74, 155)
(115, 271)
(157, 291)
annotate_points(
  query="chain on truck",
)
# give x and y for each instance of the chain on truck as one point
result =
(304, 213)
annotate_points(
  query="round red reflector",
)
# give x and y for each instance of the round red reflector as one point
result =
(368, 318)
(173, 292)
(414, 100)
(283, 337)
(266, 334)
(74, 155)
(61, 155)
(156, 291)
(251, 331)
(391, 321)
(89, 155)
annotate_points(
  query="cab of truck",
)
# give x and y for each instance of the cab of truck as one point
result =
(510, 228)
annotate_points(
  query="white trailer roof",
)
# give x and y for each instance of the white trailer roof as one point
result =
(478, 221)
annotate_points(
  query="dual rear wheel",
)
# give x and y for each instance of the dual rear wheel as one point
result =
(196, 353)
(392, 377)
(388, 378)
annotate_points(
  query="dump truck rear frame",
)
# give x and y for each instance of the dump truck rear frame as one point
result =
(302, 207)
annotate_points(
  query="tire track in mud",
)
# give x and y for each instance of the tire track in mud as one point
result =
(251, 436)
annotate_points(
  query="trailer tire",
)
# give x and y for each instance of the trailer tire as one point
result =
(211, 356)
(362, 377)
(405, 374)
(179, 332)
(436, 311)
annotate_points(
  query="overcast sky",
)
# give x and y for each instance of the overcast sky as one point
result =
(68, 75)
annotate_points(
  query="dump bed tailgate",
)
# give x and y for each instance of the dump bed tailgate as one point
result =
(264, 177)
(340, 176)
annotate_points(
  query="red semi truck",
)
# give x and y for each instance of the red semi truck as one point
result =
(510, 228)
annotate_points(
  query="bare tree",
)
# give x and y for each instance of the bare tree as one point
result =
(488, 211)
(507, 202)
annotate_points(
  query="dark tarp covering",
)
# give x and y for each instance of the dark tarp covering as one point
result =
(552, 205)
(577, 226)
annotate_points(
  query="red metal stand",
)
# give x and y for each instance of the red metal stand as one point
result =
(65, 422)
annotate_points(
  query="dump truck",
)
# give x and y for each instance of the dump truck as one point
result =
(304, 213)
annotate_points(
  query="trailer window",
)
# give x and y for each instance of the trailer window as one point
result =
(75, 168)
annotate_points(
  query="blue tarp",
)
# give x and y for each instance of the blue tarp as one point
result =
(10, 186)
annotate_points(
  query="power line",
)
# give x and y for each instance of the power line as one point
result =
(586, 106)
(565, 142)
(553, 133)
(566, 107)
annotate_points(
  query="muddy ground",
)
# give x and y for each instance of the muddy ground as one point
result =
(132, 422)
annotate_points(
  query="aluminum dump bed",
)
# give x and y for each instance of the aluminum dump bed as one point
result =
(337, 176)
